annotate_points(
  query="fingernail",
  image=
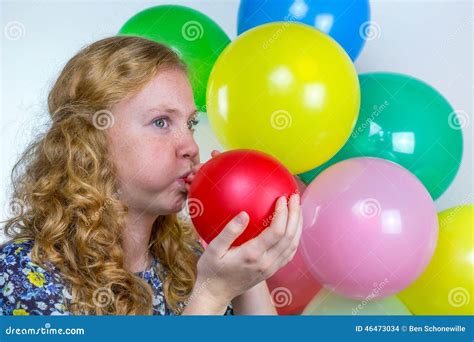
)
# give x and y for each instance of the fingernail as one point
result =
(242, 217)
(296, 197)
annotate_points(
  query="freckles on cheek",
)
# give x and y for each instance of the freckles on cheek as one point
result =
(143, 155)
(152, 161)
(124, 154)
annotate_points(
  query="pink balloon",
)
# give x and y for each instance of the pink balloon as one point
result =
(370, 228)
(292, 287)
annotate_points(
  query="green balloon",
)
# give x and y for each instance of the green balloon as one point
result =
(327, 303)
(194, 36)
(404, 120)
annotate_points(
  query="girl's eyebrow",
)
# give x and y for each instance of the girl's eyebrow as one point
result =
(172, 111)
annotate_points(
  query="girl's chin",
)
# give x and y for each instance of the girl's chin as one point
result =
(180, 201)
(177, 195)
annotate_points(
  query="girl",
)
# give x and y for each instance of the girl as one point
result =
(95, 229)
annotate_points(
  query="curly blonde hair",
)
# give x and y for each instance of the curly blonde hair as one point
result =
(66, 184)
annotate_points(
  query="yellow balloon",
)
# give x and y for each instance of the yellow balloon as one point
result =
(286, 89)
(447, 285)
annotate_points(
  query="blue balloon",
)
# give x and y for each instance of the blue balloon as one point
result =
(347, 21)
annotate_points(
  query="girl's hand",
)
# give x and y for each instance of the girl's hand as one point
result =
(225, 272)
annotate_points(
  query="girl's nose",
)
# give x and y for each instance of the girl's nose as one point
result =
(188, 148)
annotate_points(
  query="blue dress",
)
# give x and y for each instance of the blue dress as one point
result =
(28, 289)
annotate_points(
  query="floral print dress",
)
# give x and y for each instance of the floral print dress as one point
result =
(28, 289)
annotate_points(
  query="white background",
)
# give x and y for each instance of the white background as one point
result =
(430, 40)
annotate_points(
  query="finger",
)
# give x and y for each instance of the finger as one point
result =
(291, 230)
(215, 153)
(295, 243)
(222, 242)
(293, 215)
(288, 255)
(270, 236)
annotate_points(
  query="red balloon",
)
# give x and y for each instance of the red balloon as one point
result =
(235, 181)
(292, 287)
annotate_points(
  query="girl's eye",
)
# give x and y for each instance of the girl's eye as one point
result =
(192, 123)
(160, 122)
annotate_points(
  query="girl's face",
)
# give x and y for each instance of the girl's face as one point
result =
(152, 144)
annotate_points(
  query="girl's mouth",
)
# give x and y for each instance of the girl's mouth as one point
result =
(184, 183)
(185, 176)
